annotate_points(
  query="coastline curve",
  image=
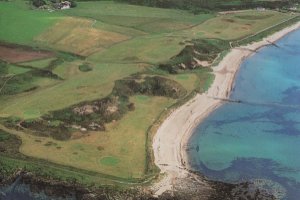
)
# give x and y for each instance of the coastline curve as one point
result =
(171, 139)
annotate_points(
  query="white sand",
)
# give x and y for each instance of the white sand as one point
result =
(169, 144)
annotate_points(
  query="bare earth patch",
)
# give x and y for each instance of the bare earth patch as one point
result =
(15, 54)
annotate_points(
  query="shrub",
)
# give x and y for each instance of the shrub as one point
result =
(38, 3)
(85, 67)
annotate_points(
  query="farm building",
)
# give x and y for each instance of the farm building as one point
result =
(65, 5)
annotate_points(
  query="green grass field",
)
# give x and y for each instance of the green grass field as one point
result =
(21, 25)
(40, 64)
(120, 151)
(13, 70)
(244, 24)
(76, 87)
(116, 41)
(150, 20)
(151, 49)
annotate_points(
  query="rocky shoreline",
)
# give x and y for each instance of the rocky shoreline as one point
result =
(184, 189)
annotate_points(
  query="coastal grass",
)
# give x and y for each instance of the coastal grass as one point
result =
(189, 81)
(120, 151)
(76, 87)
(266, 32)
(12, 161)
(238, 25)
(48, 170)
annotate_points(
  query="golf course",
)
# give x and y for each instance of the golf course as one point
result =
(84, 90)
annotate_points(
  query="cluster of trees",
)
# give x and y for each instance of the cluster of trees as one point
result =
(181, 4)
(195, 5)
(211, 4)
(38, 3)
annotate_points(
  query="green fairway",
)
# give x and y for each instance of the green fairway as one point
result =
(138, 17)
(77, 87)
(122, 152)
(21, 25)
(243, 24)
(147, 49)
(40, 64)
(13, 70)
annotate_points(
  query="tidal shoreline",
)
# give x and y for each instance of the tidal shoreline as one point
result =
(171, 140)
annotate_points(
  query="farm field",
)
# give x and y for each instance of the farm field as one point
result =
(78, 56)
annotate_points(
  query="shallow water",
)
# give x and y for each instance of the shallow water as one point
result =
(260, 137)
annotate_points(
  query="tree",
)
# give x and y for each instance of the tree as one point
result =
(38, 3)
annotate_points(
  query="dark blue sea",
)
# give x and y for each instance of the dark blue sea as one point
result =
(258, 139)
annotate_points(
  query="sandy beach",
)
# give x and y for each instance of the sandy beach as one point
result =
(171, 139)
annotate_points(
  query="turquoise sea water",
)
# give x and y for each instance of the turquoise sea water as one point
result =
(260, 137)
